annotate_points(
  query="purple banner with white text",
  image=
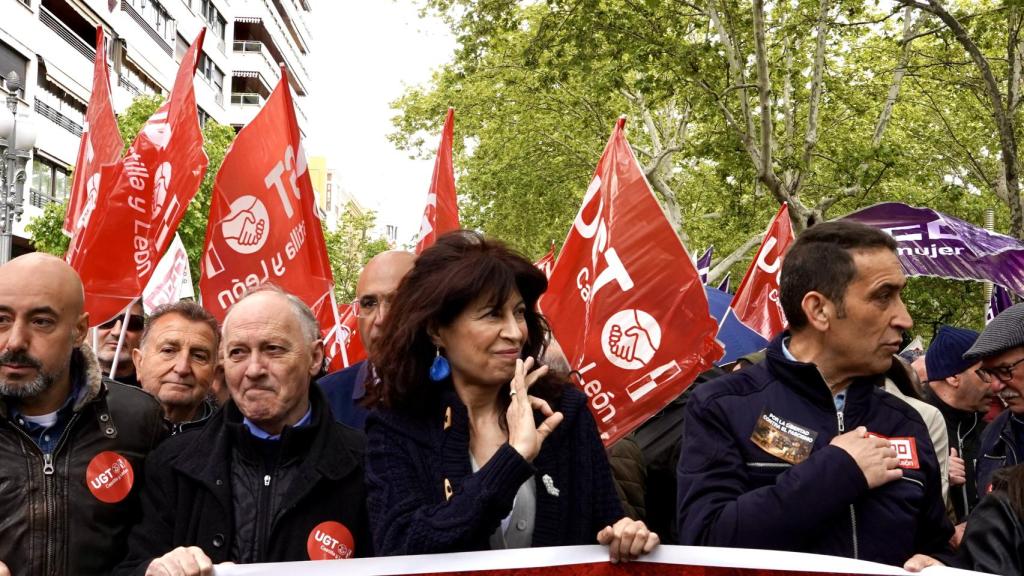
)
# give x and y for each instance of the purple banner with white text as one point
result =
(931, 243)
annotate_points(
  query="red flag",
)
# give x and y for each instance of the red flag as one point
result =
(101, 144)
(341, 338)
(625, 301)
(263, 225)
(442, 212)
(143, 198)
(547, 263)
(756, 302)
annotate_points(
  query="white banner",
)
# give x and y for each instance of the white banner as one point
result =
(172, 279)
(570, 560)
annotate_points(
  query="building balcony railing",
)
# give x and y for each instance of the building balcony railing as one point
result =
(61, 29)
(129, 86)
(246, 99)
(40, 200)
(160, 41)
(51, 114)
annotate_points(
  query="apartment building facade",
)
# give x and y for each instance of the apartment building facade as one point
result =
(51, 45)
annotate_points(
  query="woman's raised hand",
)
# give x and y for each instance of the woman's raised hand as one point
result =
(523, 433)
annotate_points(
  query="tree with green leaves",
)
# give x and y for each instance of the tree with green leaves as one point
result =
(349, 247)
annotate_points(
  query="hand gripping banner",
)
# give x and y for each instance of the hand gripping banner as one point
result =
(590, 561)
(625, 301)
(143, 198)
(263, 225)
(442, 211)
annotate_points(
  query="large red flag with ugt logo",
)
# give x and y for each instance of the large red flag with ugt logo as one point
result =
(263, 225)
(129, 222)
(756, 302)
(625, 301)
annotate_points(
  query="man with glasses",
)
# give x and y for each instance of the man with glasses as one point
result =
(1000, 348)
(107, 336)
(374, 290)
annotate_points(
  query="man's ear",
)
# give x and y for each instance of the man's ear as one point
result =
(81, 329)
(818, 309)
(318, 358)
(137, 359)
(953, 381)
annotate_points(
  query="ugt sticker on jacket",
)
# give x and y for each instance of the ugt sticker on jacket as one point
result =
(906, 450)
(624, 299)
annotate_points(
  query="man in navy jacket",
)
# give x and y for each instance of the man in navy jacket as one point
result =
(805, 451)
(376, 285)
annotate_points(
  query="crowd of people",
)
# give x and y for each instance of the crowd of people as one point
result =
(169, 443)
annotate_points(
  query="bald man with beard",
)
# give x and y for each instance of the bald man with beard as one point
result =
(72, 443)
(376, 286)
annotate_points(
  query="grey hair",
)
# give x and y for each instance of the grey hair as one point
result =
(307, 320)
(187, 309)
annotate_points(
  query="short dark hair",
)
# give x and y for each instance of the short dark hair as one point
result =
(446, 278)
(187, 309)
(821, 260)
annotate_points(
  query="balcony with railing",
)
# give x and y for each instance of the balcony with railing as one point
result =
(129, 86)
(161, 42)
(253, 56)
(40, 200)
(52, 22)
(51, 114)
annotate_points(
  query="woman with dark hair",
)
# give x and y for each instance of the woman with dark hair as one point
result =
(994, 539)
(470, 446)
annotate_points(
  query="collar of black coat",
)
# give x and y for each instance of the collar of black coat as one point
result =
(82, 367)
(949, 413)
(806, 379)
(207, 457)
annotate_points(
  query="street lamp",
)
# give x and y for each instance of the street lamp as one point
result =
(15, 149)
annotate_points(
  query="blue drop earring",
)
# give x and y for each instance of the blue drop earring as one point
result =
(440, 369)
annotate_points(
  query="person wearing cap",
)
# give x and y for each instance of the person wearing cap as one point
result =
(1000, 348)
(955, 388)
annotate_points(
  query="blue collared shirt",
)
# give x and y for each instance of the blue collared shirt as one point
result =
(263, 435)
(47, 437)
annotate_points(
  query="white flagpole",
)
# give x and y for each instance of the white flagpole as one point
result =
(337, 328)
(120, 338)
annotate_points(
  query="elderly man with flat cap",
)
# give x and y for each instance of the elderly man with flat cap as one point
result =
(1000, 348)
(72, 443)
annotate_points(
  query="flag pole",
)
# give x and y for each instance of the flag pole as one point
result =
(120, 338)
(337, 328)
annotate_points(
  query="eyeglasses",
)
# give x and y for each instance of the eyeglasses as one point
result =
(369, 305)
(1001, 373)
(136, 322)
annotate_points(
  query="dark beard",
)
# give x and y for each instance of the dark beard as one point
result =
(40, 384)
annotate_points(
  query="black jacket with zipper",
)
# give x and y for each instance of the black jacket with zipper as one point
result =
(243, 500)
(50, 521)
(733, 493)
(965, 429)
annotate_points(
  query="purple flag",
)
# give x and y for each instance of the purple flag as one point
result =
(724, 286)
(931, 243)
(704, 264)
(999, 301)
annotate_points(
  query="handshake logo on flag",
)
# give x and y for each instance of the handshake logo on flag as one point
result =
(630, 338)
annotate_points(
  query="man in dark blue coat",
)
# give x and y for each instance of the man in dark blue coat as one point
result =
(805, 451)
(1001, 351)
(376, 285)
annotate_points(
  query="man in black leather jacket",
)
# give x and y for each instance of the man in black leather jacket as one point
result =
(72, 443)
(270, 477)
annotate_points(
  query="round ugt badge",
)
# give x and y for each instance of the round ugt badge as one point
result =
(330, 541)
(110, 477)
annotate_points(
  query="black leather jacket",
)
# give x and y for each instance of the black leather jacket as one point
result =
(50, 521)
(994, 539)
